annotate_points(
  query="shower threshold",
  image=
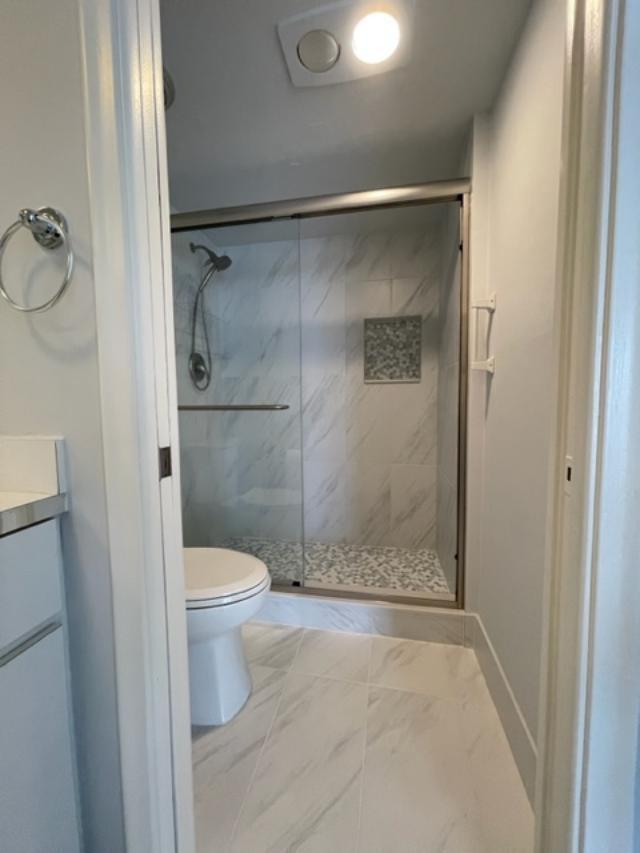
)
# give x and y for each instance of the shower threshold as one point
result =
(335, 567)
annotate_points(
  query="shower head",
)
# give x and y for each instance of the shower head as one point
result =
(219, 262)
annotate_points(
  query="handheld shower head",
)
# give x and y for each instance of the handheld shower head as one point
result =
(218, 262)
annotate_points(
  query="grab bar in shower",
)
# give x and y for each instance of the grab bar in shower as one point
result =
(239, 407)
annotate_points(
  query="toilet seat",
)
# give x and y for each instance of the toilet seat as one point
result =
(215, 577)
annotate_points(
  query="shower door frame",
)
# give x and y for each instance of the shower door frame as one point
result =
(439, 192)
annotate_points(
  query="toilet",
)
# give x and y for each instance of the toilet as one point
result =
(223, 589)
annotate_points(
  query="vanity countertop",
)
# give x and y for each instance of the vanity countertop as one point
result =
(22, 509)
(33, 484)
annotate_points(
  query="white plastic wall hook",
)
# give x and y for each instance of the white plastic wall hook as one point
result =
(488, 304)
(489, 366)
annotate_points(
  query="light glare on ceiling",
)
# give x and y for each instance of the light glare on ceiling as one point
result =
(375, 37)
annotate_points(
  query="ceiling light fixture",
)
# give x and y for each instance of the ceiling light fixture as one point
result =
(376, 37)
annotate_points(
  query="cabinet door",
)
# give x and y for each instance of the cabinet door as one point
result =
(37, 799)
(30, 588)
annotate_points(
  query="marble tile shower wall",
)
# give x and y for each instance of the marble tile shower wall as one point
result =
(369, 452)
(241, 471)
(448, 384)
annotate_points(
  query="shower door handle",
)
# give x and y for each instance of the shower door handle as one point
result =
(238, 407)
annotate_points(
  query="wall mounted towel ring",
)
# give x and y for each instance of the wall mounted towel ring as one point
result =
(49, 229)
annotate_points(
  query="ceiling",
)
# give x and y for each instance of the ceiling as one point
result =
(240, 132)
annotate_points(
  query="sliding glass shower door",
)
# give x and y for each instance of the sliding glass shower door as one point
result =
(380, 378)
(240, 436)
(320, 373)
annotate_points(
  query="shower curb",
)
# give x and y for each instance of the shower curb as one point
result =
(405, 621)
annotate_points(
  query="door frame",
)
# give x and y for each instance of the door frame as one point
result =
(590, 702)
(127, 166)
(128, 175)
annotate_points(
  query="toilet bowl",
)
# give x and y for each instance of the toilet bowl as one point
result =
(224, 589)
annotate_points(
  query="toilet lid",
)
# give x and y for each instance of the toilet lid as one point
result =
(218, 572)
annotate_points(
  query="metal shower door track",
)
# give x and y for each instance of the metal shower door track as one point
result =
(322, 205)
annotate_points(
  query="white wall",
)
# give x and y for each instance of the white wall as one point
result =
(516, 168)
(49, 375)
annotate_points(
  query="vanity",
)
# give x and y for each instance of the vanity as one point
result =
(38, 801)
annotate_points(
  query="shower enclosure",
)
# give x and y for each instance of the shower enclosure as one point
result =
(330, 438)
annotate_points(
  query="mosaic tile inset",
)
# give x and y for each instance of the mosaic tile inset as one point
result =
(381, 567)
(392, 349)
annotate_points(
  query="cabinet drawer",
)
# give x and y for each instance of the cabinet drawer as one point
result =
(30, 581)
(37, 800)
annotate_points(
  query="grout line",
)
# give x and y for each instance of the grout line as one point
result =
(431, 696)
(324, 677)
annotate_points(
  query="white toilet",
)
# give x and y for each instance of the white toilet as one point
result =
(224, 589)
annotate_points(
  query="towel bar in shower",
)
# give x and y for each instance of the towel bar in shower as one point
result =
(239, 407)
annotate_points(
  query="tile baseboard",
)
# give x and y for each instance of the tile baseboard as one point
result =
(522, 744)
(428, 624)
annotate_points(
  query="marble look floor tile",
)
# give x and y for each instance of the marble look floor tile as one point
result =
(334, 654)
(417, 796)
(306, 791)
(271, 645)
(224, 760)
(444, 671)
(505, 812)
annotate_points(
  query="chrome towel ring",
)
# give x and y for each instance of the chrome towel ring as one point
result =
(49, 229)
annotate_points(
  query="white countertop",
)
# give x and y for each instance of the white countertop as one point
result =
(22, 509)
(12, 500)
(33, 485)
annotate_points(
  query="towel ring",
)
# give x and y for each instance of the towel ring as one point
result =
(49, 229)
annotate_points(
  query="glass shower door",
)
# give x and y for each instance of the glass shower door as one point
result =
(380, 381)
(240, 437)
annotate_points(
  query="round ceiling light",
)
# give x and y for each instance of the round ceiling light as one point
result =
(318, 51)
(376, 37)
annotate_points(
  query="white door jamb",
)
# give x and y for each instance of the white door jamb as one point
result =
(130, 222)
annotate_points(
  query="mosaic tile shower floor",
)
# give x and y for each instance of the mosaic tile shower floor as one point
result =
(396, 570)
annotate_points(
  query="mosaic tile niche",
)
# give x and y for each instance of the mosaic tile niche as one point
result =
(393, 349)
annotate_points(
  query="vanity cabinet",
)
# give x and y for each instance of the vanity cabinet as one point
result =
(38, 809)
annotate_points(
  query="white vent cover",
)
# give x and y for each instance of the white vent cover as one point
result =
(339, 20)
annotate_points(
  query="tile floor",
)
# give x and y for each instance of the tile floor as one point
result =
(359, 744)
(382, 569)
